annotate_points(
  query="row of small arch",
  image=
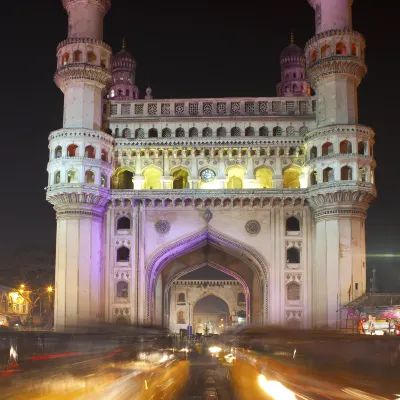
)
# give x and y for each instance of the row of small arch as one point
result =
(208, 132)
(241, 298)
(340, 49)
(72, 151)
(77, 57)
(292, 224)
(345, 147)
(328, 175)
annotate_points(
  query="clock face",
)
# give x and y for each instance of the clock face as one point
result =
(207, 175)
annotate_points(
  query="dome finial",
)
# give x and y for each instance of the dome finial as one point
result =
(123, 43)
(291, 37)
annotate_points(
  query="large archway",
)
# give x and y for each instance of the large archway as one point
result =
(217, 250)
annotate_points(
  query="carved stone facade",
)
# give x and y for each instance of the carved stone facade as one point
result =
(271, 191)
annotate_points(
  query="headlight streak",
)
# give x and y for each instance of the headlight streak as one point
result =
(275, 389)
(359, 394)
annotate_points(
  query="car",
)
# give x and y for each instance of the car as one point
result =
(210, 394)
(210, 381)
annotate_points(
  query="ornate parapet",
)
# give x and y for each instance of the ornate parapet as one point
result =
(80, 133)
(341, 199)
(362, 132)
(216, 198)
(81, 73)
(103, 5)
(76, 195)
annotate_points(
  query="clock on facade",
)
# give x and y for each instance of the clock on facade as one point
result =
(207, 175)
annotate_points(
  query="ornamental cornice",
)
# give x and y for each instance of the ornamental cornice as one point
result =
(83, 73)
(80, 133)
(80, 214)
(84, 40)
(333, 32)
(82, 160)
(103, 5)
(339, 157)
(209, 142)
(360, 130)
(347, 65)
(216, 198)
(75, 193)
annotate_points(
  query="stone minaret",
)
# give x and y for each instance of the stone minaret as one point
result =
(293, 72)
(340, 161)
(80, 165)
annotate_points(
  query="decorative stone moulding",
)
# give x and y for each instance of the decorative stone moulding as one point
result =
(207, 215)
(333, 32)
(82, 72)
(162, 227)
(91, 41)
(75, 193)
(80, 133)
(360, 130)
(103, 5)
(336, 65)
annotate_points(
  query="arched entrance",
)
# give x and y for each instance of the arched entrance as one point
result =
(211, 314)
(215, 249)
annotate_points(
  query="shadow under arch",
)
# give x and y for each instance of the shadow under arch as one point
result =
(220, 268)
(195, 241)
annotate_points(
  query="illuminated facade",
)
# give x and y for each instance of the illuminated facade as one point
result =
(272, 191)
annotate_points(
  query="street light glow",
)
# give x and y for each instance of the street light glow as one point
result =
(49, 289)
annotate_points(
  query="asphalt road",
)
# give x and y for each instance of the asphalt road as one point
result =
(201, 368)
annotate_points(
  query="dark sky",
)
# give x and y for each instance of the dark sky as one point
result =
(185, 49)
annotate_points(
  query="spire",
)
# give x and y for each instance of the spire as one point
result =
(291, 37)
(123, 43)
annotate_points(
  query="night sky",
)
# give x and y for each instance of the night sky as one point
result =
(184, 49)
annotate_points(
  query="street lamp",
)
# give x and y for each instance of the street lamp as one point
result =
(49, 289)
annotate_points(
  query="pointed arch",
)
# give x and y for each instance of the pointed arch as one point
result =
(187, 244)
(263, 175)
(235, 174)
(152, 177)
(291, 175)
(180, 176)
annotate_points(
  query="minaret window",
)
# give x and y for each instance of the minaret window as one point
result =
(65, 59)
(345, 147)
(91, 57)
(112, 93)
(286, 89)
(72, 176)
(180, 132)
(235, 131)
(361, 148)
(354, 51)
(328, 175)
(181, 298)
(314, 56)
(57, 177)
(221, 132)
(313, 178)
(207, 132)
(89, 177)
(294, 75)
(103, 181)
(341, 49)
(293, 255)
(277, 131)
(249, 131)
(122, 290)
(127, 93)
(72, 150)
(153, 133)
(123, 254)
(313, 153)
(90, 152)
(295, 88)
(292, 224)
(193, 132)
(58, 152)
(241, 299)
(346, 173)
(327, 149)
(77, 56)
(123, 223)
(104, 155)
(325, 51)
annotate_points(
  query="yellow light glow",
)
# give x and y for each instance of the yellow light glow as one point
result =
(22, 286)
(215, 349)
(264, 177)
(291, 178)
(275, 389)
(152, 178)
(49, 289)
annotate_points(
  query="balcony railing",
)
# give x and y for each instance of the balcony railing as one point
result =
(275, 106)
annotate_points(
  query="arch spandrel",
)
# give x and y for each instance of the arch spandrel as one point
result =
(207, 236)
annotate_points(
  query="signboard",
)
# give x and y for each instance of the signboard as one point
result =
(378, 313)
